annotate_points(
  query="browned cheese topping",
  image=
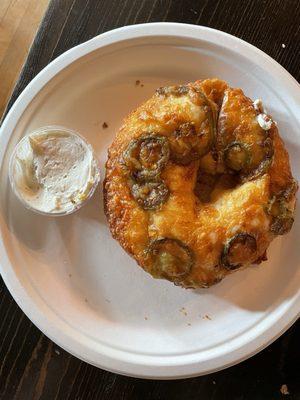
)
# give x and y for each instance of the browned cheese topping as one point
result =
(196, 185)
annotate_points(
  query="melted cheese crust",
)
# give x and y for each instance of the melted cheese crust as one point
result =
(204, 227)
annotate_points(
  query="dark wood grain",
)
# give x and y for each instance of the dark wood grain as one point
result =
(31, 366)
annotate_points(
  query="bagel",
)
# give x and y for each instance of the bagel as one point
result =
(198, 183)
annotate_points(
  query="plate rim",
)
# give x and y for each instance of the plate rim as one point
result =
(30, 306)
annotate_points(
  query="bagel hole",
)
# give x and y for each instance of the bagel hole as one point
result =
(207, 183)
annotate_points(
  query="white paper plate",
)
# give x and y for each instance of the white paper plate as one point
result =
(75, 282)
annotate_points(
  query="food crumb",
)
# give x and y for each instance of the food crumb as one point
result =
(283, 45)
(193, 11)
(56, 351)
(146, 318)
(142, 85)
(104, 125)
(214, 382)
(207, 317)
(137, 82)
(183, 311)
(284, 390)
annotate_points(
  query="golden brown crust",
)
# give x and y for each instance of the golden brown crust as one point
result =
(204, 227)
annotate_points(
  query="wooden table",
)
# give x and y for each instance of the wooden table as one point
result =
(31, 366)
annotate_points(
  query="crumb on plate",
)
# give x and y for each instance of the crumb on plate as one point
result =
(183, 311)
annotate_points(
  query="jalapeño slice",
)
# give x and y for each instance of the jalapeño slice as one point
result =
(172, 259)
(150, 195)
(236, 156)
(190, 142)
(240, 247)
(282, 218)
(146, 156)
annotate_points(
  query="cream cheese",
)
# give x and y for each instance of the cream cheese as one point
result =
(258, 105)
(54, 170)
(264, 121)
